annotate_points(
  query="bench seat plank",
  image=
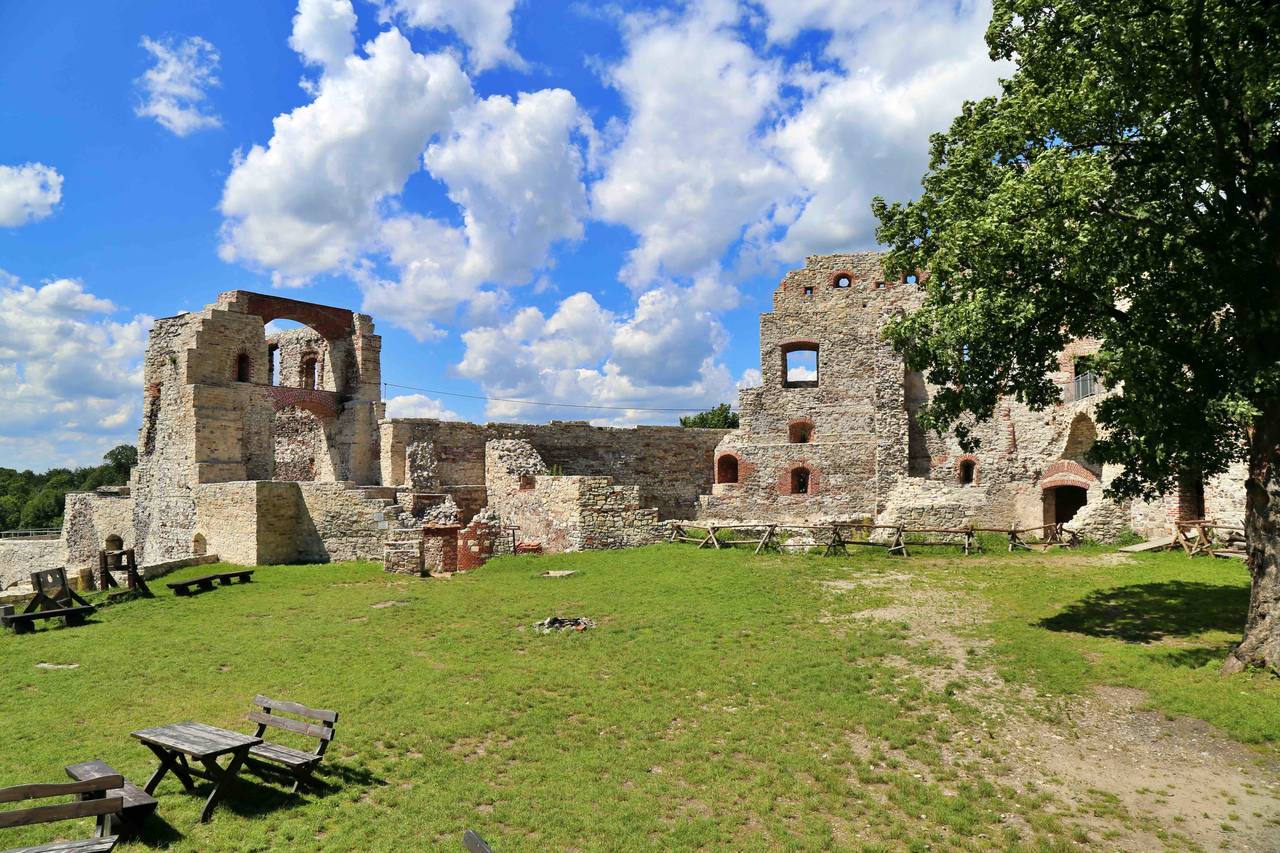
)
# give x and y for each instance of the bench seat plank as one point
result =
(91, 845)
(47, 614)
(283, 754)
(136, 800)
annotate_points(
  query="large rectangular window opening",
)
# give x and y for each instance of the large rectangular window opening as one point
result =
(800, 365)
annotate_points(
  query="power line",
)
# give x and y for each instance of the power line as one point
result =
(386, 385)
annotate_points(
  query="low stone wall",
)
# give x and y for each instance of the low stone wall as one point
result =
(20, 557)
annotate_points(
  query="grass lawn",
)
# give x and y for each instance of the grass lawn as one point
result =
(722, 700)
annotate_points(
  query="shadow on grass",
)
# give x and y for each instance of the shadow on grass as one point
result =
(1145, 613)
(1197, 657)
(157, 833)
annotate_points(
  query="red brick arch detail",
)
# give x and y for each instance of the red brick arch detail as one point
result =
(728, 454)
(838, 274)
(805, 421)
(977, 468)
(784, 477)
(1064, 472)
(332, 323)
(322, 404)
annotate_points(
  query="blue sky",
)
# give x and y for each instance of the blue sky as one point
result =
(565, 202)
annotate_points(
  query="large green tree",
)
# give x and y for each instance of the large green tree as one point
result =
(1123, 186)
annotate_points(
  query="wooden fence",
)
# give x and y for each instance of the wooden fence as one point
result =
(835, 537)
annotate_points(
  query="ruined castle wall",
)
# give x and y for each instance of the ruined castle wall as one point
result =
(20, 557)
(671, 466)
(88, 521)
(335, 523)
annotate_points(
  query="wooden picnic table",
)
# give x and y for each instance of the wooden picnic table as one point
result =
(172, 744)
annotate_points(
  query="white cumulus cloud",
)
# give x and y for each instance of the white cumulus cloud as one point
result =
(174, 90)
(27, 193)
(70, 374)
(419, 406)
(484, 25)
(324, 31)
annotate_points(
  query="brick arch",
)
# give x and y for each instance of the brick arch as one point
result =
(1064, 472)
(724, 469)
(322, 404)
(784, 477)
(839, 274)
(332, 323)
(960, 464)
(798, 426)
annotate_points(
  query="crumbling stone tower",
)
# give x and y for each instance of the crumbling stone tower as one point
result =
(827, 433)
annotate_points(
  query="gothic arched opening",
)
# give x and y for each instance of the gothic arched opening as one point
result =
(1061, 503)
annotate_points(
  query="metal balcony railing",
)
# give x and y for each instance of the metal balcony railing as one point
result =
(36, 533)
(1085, 385)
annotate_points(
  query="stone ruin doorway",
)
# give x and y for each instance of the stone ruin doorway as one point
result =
(1061, 503)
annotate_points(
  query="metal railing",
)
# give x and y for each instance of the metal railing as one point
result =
(1085, 385)
(32, 533)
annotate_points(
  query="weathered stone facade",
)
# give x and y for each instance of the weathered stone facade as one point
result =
(841, 442)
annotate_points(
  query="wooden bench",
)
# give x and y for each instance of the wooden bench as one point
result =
(54, 599)
(296, 762)
(138, 804)
(94, 801)
(206, 582)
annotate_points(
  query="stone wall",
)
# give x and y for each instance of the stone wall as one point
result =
(20, 557)
(90, 518)
(670, 465)
(563, 512)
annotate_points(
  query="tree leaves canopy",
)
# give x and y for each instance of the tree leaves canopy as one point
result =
(1122, 187)
(721, 417)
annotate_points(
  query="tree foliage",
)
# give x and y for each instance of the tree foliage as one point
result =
(29, 500)
(721, 417)
(1122, 187)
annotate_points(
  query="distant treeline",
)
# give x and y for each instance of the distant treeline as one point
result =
(30, 500)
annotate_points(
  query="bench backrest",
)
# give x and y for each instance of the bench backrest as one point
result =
(52, 583)
(316, 723)
(99, 804)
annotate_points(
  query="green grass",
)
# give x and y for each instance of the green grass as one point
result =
(722, 700)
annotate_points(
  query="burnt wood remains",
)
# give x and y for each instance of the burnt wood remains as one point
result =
(54, 599)
(299, 764)
(206, 582)
(173, 745)
(94, 800)
(138, 804)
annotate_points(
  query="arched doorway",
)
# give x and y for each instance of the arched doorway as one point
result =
(113, 543)
(199, 547)
(1061, 503)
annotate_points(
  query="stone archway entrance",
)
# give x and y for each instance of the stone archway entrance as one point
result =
(1061, 503)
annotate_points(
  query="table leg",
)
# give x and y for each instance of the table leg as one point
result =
(222, 778)
(168, 761)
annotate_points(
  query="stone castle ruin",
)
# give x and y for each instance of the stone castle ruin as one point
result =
(275, 448)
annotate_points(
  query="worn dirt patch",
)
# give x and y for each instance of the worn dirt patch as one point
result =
(1130, 778)
(383, 604)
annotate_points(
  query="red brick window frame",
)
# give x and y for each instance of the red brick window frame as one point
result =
(801, 345)
(967, 470)
(842, 279)
(728, 468)
(528, 482)
(800, 431)
(799, 480)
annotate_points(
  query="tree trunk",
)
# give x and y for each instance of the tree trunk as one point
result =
(1261, 644)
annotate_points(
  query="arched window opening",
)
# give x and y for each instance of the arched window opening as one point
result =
(800, 481)
(308, 372)
(199, 547)
(808, 291)
(842, 280)
(244, 368)
(800, 364)
(912, 279)
(727, 469)
(273, 364)
(968, 473)
(113, 543)
(800, 432)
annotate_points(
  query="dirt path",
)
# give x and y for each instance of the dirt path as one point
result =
(1128, 778)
